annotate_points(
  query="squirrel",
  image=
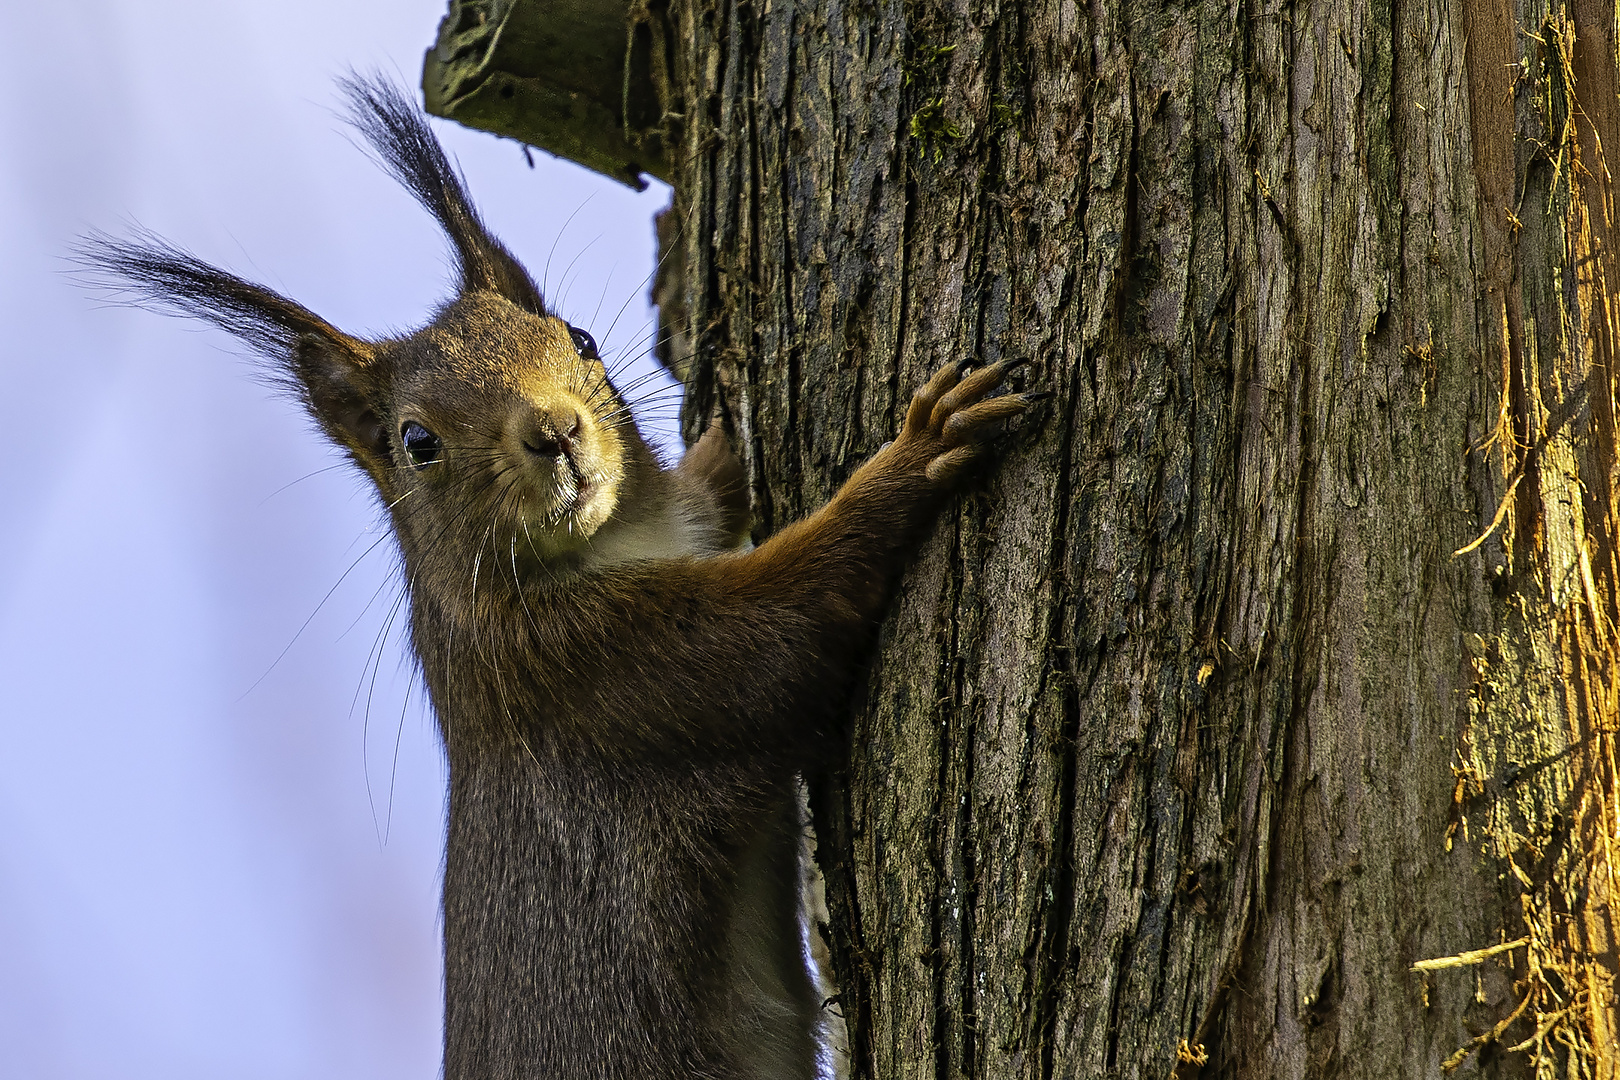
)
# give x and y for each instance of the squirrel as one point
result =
(625, 690)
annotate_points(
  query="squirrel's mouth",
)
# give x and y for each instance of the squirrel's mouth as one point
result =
(575, 504)
(574, 487)
(580, 496)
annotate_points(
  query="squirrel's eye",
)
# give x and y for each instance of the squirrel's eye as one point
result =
(583, 342)
(423, 446)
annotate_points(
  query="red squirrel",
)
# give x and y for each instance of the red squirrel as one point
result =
(626, 696)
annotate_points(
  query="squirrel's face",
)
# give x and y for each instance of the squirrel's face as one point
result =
(498, 426)
(493, 434)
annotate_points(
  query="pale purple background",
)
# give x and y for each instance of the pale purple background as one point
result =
(192, 878)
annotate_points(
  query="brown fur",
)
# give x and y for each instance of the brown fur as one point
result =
(624, 700)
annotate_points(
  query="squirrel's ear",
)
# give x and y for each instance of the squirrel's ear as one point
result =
(337, 379)
(337, 376)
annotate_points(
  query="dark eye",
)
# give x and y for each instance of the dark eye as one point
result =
(423, 446)
(583, 342)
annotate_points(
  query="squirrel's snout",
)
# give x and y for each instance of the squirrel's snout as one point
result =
(551, 433)
(570, 467)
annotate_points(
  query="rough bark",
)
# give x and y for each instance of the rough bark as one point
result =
(1280, 655)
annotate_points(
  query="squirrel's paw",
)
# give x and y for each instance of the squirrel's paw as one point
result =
(948, 420)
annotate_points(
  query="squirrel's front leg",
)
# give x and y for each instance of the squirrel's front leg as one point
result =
(718, 652)
(862, 536)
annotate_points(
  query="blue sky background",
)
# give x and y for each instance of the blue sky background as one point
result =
(193, 877)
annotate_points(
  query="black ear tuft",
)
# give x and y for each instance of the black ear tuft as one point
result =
(151, 272)
(325, 367)
(399, 133)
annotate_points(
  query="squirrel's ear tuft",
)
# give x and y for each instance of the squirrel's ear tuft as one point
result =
(333, 373)
(399, 133)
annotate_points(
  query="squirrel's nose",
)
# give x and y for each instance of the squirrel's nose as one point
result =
(551, 432)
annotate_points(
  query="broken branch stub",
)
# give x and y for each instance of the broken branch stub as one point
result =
(586, 80)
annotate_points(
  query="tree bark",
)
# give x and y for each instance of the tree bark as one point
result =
(1279, 656)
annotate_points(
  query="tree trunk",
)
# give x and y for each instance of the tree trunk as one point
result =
(1257, 716)
(1192, 731)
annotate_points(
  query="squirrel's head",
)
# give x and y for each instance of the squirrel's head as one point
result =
(492, 431)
